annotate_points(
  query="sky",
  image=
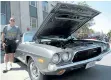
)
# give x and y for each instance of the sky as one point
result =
(103, 20)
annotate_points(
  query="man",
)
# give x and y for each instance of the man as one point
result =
(10, 36)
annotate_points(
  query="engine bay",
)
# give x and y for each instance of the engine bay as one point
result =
(66, 43)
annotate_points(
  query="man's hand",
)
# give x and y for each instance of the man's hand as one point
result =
(17, 41)
(3, 45)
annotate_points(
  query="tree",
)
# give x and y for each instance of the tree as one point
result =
(109, 34)
(91, 31)
(83, 3)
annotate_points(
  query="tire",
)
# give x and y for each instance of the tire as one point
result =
(39, 75)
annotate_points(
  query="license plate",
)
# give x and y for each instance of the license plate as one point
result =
(90, 64)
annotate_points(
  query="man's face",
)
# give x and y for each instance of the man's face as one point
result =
(12, 21)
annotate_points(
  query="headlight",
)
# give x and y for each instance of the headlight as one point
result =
(56, 59)
(66, 56)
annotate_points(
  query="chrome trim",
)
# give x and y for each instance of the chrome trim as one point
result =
(83, 62)
(73, 54)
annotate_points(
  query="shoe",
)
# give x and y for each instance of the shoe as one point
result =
(5, 71)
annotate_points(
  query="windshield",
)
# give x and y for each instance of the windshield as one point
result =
(28, 37)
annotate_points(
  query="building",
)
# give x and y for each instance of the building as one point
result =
(28, 14)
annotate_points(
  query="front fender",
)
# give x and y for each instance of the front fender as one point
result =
(40, 52)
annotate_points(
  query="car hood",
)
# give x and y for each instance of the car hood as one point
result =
(64, 19)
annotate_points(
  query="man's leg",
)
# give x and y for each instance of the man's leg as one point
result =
(13, 49)
(6, 59)
(11, 59)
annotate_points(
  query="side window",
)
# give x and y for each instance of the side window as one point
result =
(33, 3)
(45, 8)
(3, 19)
(33, 22)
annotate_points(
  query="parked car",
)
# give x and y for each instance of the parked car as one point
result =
(98, 36)
(51, 50)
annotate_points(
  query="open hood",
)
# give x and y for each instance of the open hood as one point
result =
(64, 19)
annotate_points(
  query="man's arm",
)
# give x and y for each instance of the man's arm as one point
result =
(3, 39)
(19, 35)
(3, 34)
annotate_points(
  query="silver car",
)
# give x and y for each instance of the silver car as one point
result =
(52, 50)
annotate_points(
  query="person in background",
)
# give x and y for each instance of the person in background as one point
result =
(10, 37)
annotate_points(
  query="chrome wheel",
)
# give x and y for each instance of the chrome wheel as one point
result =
(34, 70)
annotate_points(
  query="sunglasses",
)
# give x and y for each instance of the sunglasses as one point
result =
(12, 20)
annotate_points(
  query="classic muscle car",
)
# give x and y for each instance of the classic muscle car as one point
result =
(52, 50)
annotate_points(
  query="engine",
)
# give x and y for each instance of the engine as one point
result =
(66, 43)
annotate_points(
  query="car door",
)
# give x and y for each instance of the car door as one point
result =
(22, 51)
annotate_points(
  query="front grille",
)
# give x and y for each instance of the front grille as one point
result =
(87, 54)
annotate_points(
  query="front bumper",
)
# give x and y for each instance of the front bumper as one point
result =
(72, 65)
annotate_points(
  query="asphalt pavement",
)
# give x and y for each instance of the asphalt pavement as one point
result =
(102, 71)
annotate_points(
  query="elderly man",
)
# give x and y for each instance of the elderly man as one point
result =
(10, 36)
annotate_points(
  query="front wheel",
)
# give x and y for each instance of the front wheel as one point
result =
(34, 72)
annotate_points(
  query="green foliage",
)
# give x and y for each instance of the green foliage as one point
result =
(83, 3)
(109, 34)
(91, 31)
